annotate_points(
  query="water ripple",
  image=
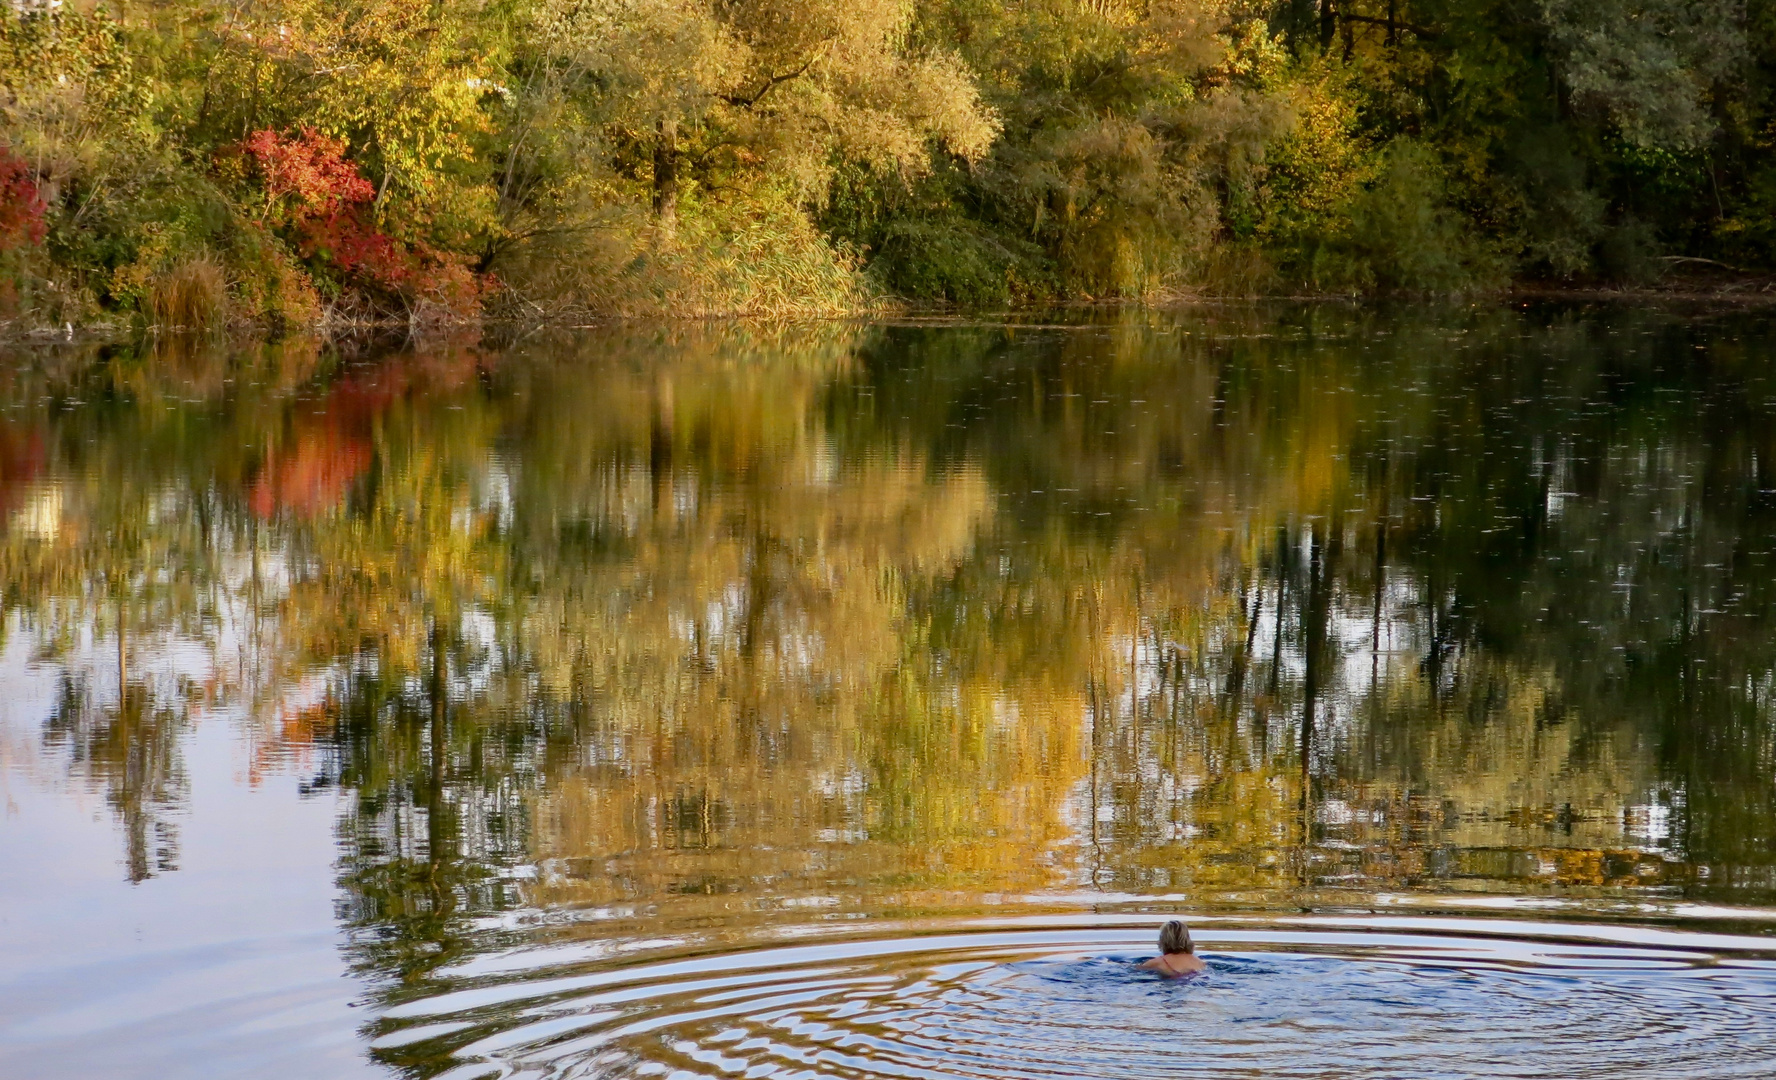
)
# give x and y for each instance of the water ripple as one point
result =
(1422, 998)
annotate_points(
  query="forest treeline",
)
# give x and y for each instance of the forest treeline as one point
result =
(280, 162)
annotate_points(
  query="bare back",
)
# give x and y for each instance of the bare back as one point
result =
(1174, 965)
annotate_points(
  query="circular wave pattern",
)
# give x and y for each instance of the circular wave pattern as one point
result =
(1044, 1004)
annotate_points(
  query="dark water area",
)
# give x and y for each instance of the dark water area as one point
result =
(855, 700)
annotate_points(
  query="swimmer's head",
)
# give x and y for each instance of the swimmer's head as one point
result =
(1174, 937)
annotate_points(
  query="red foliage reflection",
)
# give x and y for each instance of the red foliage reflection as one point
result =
(330, 443)
(22, 456)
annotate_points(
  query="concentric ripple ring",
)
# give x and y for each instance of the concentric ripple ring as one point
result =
(1313, 999)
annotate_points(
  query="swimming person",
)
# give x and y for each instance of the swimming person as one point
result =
(1177, 953)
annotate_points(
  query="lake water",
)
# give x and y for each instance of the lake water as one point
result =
(856, 700)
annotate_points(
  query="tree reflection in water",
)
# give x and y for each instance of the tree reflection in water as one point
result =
(700, 626)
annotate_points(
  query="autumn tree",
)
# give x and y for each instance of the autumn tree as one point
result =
(770, 94)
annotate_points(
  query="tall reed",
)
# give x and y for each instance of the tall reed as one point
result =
(193, 295)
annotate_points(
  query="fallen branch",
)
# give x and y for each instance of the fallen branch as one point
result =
(1675, 260)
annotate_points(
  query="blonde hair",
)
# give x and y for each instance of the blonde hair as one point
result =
(1174, 937)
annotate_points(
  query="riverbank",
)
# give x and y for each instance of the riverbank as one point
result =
(513, 319)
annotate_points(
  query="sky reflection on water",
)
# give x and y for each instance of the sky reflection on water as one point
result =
(662, 638)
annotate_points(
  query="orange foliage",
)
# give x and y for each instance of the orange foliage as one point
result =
(297, 732)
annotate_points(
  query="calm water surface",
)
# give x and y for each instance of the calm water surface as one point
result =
(854, 701)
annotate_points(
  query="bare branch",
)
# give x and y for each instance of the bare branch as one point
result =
(771, 82)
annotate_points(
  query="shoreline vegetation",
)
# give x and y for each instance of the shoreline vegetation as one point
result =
(335, 165)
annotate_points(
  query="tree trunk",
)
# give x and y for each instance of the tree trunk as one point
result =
(666, 176)
(1328, 25)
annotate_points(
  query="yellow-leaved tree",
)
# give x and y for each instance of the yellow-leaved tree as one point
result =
(743, 109)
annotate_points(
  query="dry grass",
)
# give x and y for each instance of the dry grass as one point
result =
(191, 296)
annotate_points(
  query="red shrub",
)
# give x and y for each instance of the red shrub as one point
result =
(312, 168)
(326, 210)
(21, 205)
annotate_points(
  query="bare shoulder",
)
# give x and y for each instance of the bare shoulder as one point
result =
(1174, 965)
